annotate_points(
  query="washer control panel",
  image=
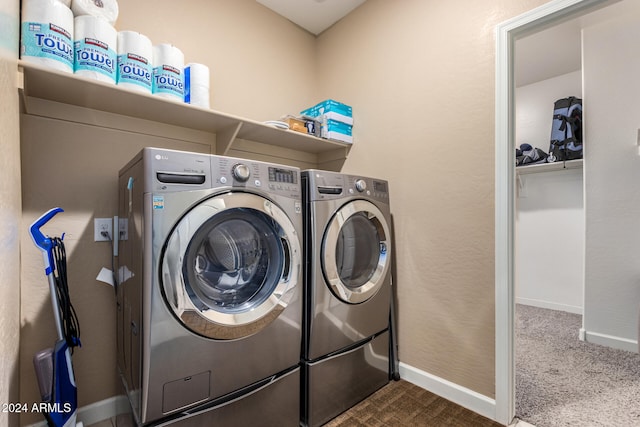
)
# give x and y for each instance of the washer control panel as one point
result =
(172, 170)
(242, 173)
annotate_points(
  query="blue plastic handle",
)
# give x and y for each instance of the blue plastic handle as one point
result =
(41, 241)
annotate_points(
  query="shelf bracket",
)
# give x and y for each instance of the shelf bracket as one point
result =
(521, 186)
(20, 78)
(225, 138)
(21, 91)
(333, 160)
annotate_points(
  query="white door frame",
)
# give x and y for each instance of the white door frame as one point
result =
(506, 33)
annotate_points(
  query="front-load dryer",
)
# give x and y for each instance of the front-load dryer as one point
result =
(210, 289)
(347, 291)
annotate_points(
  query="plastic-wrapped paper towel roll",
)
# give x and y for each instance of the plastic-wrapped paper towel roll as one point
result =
(66, 2)
(107, 9)
(135, 53)
(47, 34)
(95, 44)
(196, 85)
(168, 77)
(9, 29)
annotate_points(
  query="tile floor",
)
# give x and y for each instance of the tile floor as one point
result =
(399, 403)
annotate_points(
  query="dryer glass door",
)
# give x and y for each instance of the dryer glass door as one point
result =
(356, 252)
(231, 266)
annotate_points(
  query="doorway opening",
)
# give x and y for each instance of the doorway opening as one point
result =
(549, 15)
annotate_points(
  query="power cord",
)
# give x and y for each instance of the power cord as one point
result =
(68, 316)
(113, 271)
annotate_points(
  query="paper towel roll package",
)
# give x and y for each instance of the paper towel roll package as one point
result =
(107, 9)
(196, 84)
(9, 29)
(47, 34)
(95, 44)
(135, 53)
(66, 3)
(168, 76)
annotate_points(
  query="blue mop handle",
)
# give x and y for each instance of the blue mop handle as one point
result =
(46, 246)
(43, 242)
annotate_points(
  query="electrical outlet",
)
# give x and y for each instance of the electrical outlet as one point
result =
(123, 228)
(102, 229)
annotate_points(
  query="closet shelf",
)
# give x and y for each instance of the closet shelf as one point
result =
(51, 85)
(548, 167)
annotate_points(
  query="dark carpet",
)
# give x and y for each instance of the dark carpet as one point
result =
(562, 381)
(402, 404)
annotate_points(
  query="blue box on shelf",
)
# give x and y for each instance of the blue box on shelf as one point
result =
(331, 109)
(338, 131)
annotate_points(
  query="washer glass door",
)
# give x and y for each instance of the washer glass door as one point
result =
(231, 265)
(355, 251)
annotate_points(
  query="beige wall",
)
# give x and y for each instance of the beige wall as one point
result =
(9, 210)
(420, 77)
(262, 65)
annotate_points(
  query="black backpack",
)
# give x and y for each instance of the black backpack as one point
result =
(566, 130)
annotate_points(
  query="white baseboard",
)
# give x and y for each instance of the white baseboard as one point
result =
(103, 410)
(462, 396)
(550, 305)
(609, 340)
(98, 411)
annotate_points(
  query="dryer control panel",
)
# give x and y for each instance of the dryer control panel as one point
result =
(325, 185)
(372, 188)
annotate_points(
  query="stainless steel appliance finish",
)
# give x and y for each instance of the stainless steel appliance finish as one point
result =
(340, 381)
(210, 287)
(347, 291)
(270, 403)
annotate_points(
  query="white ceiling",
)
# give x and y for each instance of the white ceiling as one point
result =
(549, 53)
(315, 16)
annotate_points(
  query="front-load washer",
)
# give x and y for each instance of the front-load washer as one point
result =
(209, 295)
(345, 355)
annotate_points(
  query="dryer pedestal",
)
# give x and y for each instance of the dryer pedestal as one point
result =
(339, 381)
